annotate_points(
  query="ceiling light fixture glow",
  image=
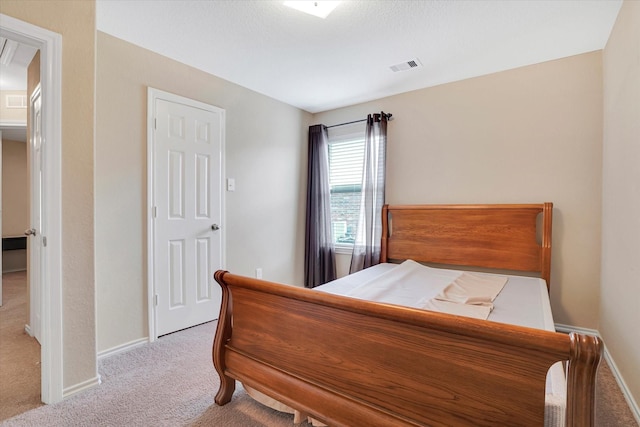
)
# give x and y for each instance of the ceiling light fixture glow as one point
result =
(318, 8)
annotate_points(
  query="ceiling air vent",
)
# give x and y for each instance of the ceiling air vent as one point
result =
(408, 65)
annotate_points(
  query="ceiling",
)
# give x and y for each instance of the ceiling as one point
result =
(321, 64)
(14, 59)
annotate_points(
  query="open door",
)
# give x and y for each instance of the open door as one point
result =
(0, 215)
(35, 234)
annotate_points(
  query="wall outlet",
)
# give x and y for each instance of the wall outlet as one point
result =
(258, 273)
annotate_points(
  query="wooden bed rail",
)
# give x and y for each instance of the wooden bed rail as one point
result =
(350, 362)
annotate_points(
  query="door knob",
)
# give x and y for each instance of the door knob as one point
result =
(30, 232)
(215, 227)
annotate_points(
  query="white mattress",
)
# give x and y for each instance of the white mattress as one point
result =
(523, 301)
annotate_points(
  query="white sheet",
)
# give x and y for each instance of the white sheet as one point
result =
(523, 301)
(414, 285)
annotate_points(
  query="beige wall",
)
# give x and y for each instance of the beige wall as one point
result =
(15, 188)
(75, 21)
(620, 292)
(265, 153)
(532, 134)
(15, 201)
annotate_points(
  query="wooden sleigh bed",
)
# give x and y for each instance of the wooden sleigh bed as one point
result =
(350, 362)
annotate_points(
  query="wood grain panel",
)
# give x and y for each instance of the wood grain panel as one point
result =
(344, 360)
(488, 236)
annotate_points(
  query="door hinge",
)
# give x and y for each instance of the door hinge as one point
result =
(154, 212)
(155, 300)
(155, 123)
(44, 241)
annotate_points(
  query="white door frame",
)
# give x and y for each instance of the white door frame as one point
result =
(152, 96)
(50, 46)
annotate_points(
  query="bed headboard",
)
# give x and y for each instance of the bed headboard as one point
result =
(503, 237)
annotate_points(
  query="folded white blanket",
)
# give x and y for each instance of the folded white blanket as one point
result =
(473, 289)
(468, 295)
(477, 311)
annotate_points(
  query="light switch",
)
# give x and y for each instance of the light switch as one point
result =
(231, 184)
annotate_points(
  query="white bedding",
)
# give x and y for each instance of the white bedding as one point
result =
(523, 301)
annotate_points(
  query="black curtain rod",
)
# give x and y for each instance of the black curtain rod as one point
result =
(388, 115)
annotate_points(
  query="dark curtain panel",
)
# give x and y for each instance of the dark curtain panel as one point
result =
(320, 266)
(366, 249)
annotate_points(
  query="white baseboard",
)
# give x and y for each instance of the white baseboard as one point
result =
(14, 270)
(121, 348)
(77, 388)
(568, 328)
(635, 409)
(90, 383)
(27, 329)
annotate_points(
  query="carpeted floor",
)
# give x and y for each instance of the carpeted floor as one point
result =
(172, 383)
(19, 353)
(168, 383)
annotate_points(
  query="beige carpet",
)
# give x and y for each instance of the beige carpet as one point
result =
(168, 383)
(172, 383)
(19, 353)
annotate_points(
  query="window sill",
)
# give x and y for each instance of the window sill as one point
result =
(344, 249)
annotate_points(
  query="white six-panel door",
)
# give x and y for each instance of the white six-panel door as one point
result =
(187, 214)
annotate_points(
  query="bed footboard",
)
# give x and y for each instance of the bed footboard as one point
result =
(350, 362)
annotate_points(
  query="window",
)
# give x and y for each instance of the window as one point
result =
(346, 157)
